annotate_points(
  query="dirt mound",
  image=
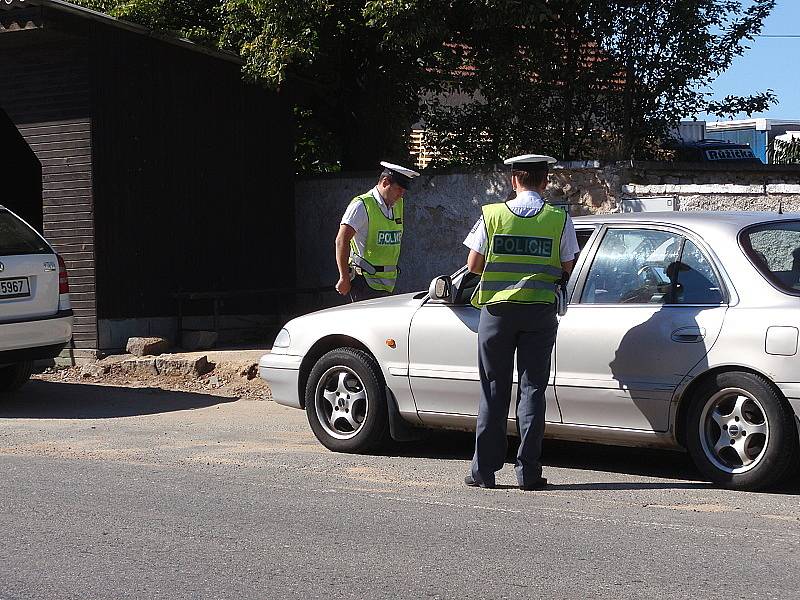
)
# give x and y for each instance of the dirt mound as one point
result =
(234, 376)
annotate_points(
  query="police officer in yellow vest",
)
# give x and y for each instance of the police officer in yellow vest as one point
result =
(370, 232)
(521, 248)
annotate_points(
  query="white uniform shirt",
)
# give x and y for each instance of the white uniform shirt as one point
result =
(526, 204)
(356, 217)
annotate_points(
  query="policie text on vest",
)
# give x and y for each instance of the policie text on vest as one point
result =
(522, 245)
(389, 238)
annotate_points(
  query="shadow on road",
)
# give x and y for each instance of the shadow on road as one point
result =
(48, 400)
(570, 455)
(643, 462)
(622, 485)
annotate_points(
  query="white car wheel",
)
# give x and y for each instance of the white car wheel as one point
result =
(346, 401)
(741, 433)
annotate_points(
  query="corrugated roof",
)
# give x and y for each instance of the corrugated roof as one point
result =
(86, 13)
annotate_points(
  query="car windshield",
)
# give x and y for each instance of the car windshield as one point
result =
(774, 249)
(17, 238)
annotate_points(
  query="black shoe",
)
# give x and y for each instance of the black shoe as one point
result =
(538, 484)
(471, 482)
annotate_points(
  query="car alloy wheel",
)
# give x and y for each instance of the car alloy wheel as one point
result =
(345, 401)
(734, 431)
(740, 431)
(341, 402)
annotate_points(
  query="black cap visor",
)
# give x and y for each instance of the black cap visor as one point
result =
(536, 167)
(402, 180)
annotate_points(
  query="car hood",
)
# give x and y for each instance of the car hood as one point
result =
(371, 322)
(412, 300)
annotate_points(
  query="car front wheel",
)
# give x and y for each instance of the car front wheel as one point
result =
(741, 433)
(346, 401)
(14, 376)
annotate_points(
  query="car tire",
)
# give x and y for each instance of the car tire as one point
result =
(741, 433)
(346, 401)
(15, 376)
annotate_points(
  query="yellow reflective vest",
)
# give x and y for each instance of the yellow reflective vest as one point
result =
(382, 250)
(523, 259)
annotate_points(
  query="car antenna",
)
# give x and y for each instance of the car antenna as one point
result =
(780, 207)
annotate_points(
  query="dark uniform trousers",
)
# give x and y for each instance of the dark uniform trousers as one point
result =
(530, 329)
(360, 290)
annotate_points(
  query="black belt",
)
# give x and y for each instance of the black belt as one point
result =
(377, 269)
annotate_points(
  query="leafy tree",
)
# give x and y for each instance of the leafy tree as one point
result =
(786, 152)
(669, 53)
(489, 78)
(354, 93)
(482, 65)
(198, 20)
(577, 78)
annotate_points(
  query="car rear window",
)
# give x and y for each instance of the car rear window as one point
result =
(774, 249)
(17, 238)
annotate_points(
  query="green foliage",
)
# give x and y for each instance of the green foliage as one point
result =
(786, 152)
(200, 21)
(669, 52)
(576, 78)
(488, 78)
(331, 60)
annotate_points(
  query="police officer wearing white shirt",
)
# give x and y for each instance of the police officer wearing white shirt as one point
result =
(370, 233)
(522, 249)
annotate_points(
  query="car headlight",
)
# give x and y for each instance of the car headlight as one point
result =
(282, 340)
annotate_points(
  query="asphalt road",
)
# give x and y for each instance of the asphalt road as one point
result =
(110, 492)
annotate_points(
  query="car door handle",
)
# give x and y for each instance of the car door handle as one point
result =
(688, 335)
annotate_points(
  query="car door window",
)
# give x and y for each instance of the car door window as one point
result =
(582, 236)
(631, 267)
(694, 278)
(465, 287)
(16, 238)
(774, 249)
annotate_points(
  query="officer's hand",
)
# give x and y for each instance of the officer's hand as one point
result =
(343, 286)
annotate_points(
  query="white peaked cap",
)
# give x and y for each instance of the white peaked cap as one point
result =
(530, 159)
(399, 170)
(400, 175)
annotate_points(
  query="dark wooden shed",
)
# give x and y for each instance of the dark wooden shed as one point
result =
(147, 162)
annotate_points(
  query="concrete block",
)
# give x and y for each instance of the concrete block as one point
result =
(783, 188)
(732, 188)
(174, 364)
(94, 370)
(651, 190)
(198, 340)
(139, 366)
(146, 346)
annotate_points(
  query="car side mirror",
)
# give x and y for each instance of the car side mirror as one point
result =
(441, 288)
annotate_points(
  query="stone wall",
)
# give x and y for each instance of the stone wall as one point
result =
(699, 187)
(443, 206)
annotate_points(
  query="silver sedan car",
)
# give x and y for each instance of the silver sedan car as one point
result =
(681, 332)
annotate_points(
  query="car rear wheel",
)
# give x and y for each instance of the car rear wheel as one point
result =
(14, 376)
(346, 401)
(741, 434)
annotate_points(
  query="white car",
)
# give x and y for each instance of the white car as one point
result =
(682, 331)
(35, 312)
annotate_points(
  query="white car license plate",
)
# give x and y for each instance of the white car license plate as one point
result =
(15, 288)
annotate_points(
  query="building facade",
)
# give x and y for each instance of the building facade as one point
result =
(146, 161)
